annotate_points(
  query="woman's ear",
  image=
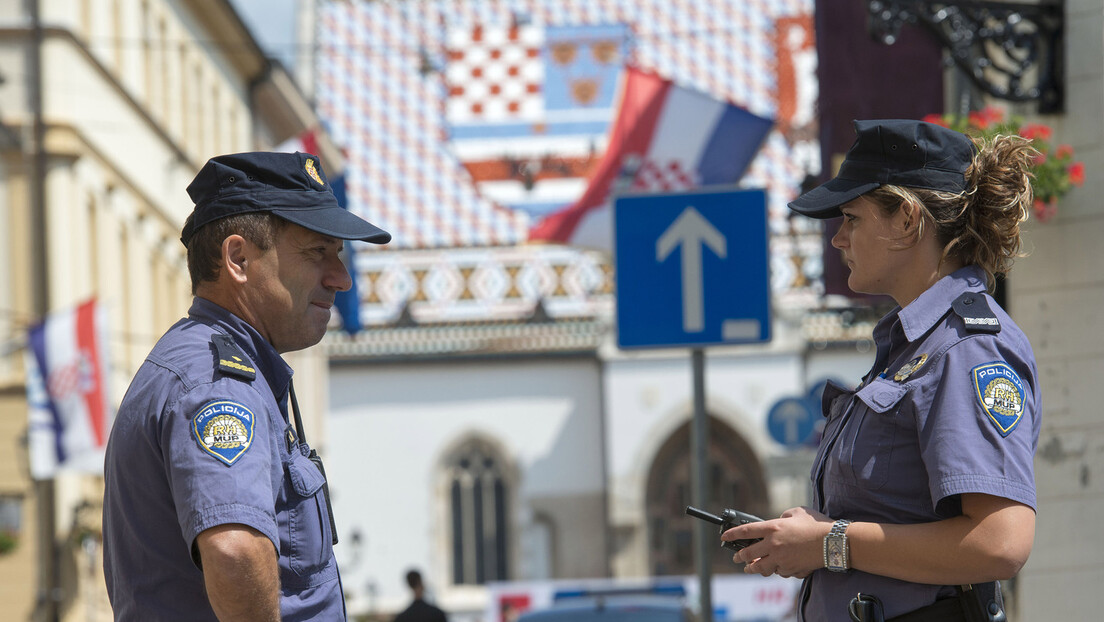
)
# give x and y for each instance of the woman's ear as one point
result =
(911, 216)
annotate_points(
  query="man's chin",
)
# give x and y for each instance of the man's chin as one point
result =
(308, 336)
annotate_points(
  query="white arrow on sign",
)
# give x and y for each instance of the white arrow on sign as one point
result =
(691, 230)
(792, 415)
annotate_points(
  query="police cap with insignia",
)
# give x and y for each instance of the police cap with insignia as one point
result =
(292, 186)
(892, 152)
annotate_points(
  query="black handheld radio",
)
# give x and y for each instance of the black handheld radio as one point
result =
(727, 520)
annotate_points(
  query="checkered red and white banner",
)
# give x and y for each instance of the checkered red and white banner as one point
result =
(495, 73)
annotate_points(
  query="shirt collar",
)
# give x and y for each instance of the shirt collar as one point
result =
(929, 307)
(272, 366)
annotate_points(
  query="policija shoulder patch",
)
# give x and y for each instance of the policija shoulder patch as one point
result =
(224, 429)
(1001, 394)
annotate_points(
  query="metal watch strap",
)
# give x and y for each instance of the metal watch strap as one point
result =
(836, 550)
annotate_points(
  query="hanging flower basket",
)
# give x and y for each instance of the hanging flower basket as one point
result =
(1054, 169)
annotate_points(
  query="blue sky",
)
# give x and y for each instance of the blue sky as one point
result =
(273, 25)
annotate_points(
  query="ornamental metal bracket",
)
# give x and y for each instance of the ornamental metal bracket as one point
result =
(1009, 50)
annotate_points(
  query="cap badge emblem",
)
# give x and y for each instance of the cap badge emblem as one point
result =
(313, 172)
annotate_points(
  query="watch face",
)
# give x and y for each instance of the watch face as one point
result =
(835, 554)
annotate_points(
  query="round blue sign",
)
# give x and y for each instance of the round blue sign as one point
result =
(792, 421)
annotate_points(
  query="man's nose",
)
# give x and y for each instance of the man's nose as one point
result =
(337, 276)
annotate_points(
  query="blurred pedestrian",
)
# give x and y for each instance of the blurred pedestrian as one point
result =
(419, 610)
(214, 505)
(923, 486)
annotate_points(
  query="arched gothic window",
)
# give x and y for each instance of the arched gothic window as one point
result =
(735, 481)
(478, 508)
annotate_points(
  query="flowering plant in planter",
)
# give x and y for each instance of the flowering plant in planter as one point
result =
(8, 541)
(1054, 169)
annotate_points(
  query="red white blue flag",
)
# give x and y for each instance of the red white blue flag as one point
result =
(67, 373)
(666, 138)
(347, 303)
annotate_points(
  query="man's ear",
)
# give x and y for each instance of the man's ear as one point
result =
(235, 257)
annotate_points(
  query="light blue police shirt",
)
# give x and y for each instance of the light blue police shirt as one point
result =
(949, 407)
(197, 443)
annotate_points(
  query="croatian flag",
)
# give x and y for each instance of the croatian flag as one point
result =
(305, 141)
(346, 303)
(666, 139)
(69, 412)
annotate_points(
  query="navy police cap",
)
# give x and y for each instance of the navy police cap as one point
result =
(292, 186)
(897, 152)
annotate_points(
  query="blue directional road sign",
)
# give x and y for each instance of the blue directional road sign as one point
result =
(792, 421)
(692, 269)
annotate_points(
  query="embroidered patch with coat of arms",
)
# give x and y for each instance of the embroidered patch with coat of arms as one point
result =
(1000, 393)
(224, 429)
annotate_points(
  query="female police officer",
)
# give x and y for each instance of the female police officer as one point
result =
(923, 486)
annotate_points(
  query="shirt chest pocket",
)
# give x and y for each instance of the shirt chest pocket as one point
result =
(310, 544)
(872, 431)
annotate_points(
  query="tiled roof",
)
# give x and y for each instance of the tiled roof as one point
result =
(381, 87)
(458, 276)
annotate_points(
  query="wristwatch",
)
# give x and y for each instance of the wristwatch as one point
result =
(836, 551)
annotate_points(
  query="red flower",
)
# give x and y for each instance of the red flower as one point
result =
(936, 119)
(1045, 210)
(986, 117)
(1038, 159)
(1063, 152)
(992, 115)
(1077, 173)
(1031, 131)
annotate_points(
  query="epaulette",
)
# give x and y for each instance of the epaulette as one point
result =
(231, 360)
(974, 310)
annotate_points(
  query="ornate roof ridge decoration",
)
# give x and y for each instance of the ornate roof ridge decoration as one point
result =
(470, 286)
(473, 338)
(829, 327)
(1010, 50)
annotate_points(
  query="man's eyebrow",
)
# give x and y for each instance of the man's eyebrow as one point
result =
(325, 239)
(317, 239)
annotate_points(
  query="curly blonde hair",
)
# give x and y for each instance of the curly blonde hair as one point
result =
(981, 225)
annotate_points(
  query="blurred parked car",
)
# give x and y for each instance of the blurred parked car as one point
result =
(653, 604)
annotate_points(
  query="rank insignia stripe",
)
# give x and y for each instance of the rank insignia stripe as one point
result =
(1000, 393)
(231, 360)
(224, 429)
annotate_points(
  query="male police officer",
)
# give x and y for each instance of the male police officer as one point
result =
(213, 508)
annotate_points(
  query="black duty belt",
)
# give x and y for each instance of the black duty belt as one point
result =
(973, 603)
(946, 610)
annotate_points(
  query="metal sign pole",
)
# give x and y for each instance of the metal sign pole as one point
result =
(699, 485)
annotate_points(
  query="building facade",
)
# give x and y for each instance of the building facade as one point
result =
(583, 446)
(107, 110)
(1055, 294)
